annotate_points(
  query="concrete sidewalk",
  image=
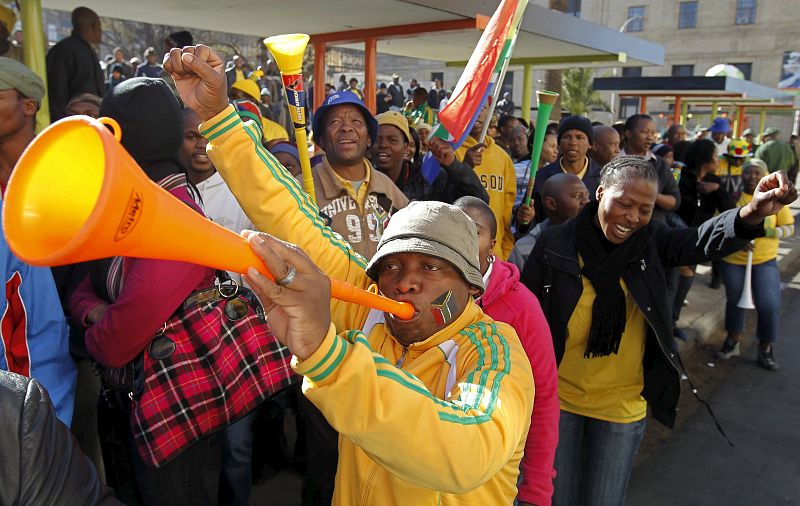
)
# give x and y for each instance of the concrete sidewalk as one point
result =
(705, 314)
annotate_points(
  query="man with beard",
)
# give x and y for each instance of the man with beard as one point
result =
(454, 181)
(357, 198)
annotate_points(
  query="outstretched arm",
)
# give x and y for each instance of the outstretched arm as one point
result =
(731, 230)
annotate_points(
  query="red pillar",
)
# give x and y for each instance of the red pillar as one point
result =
(676, 114)
(643, 104)
(740, 123)
(319, 73)
(370, 72)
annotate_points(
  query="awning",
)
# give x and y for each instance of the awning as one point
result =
(547, 37)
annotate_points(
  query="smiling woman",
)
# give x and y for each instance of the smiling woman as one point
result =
(600, 278)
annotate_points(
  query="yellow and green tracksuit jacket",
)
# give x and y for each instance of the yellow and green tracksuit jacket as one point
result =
(445, 426)
(497, 175)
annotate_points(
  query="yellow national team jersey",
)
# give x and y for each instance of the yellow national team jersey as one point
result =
(607, 388)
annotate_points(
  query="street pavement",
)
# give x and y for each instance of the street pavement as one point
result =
(759, 409)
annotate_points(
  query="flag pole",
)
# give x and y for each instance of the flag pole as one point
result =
(504, 67)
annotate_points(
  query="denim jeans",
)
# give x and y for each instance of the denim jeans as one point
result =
(766, 289)
(594, 460)
(236, 447)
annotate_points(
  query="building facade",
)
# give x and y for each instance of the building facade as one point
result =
(759, 37)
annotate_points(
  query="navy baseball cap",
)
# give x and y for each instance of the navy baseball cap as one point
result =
(341, 98)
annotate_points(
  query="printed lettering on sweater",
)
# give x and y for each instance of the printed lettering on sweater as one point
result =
(371, 223)
(493, 182)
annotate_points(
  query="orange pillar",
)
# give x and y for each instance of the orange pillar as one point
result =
(676, 114)
(740, 123)
(370, 72)
(643, 104)
(319, 73)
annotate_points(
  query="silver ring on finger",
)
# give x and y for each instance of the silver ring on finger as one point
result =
(286, 280)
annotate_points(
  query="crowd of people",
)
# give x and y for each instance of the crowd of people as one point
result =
(542, 334)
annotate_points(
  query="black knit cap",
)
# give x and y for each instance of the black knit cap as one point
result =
(151, 122)
(575, 123)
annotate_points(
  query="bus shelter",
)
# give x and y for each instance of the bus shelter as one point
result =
(738, 95)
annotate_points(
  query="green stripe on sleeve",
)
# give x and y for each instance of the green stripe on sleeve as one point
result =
(322, 362)
(219, 123)
(332, 367)
(222, 131)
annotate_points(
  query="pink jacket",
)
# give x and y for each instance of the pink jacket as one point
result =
(507, 300)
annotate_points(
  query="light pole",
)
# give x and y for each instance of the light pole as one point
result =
(614, 70)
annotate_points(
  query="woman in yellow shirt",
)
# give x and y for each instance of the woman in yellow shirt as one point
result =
(766, 279)
(600, 278)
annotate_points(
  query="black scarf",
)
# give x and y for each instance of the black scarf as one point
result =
(604, 264)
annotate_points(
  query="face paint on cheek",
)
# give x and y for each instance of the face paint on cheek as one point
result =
(444, 308)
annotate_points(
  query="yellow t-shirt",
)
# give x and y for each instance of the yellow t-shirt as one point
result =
(607, 388)
(766, 247)
(273, 131)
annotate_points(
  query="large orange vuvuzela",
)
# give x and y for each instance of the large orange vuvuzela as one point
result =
(77, 195)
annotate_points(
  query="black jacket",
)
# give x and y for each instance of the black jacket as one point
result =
(397, 93)
(72, 69)
(553, 274)
(453, 182)
(41, 462)
(697, 207)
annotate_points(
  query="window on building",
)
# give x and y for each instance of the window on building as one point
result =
(631, 71)
(687, 15)
(746, 68)
(636, 18)
(745, 12)
(683, 70)
(574, 8)
(628, 106)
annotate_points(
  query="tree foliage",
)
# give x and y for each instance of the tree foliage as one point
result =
(578, 97)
